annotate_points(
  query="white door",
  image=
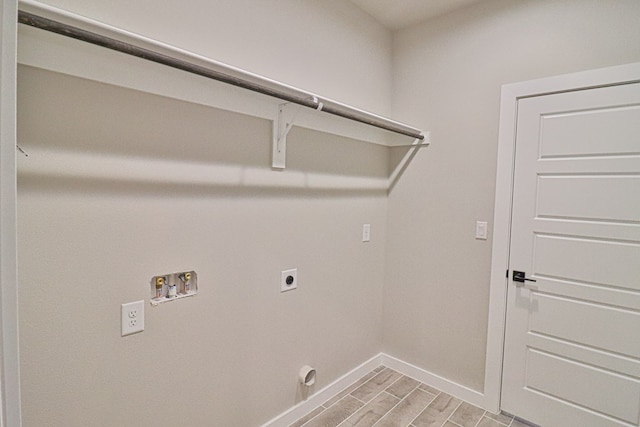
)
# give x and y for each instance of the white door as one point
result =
(572, 343)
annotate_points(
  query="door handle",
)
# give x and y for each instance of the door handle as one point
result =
(519, 276)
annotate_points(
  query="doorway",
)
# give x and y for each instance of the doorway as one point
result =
(568, 227)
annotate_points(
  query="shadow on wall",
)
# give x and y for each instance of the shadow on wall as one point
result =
(83, 135)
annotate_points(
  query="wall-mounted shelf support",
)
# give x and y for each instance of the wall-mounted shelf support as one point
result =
(287, 114)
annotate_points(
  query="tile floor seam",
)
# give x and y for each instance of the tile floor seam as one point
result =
(350, 385)
(451, 422)
(451, 415)
(393, 395)
(387, 413)
(391, 385)
(480, 419)
(361, 385)
(410, 391)
(399, 401)
(363, 405)
(366, 403)
(313, 418)
(382, 391)
(430, 402)
(326, 409)
(500, 422)
(361, 401)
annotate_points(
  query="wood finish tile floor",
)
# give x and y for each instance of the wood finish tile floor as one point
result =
(386, 398)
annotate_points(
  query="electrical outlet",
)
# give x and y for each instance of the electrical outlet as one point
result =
(132, 318)
(289, 280)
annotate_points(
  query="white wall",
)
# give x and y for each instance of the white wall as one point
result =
(447, 78)
(90, 241)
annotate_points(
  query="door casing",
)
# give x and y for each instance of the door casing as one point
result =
(510, 95)
(10, 412)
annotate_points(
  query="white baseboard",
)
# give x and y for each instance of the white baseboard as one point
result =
(443, 384)
(318, 398)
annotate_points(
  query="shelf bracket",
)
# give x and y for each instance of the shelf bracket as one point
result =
(282, 124)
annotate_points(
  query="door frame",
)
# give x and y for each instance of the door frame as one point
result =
(10, 413)
(510, 95)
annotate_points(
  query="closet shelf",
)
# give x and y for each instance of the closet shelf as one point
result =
(67, 24)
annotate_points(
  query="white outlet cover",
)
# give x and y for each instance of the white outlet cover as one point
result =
(132, 318)
(286, 274)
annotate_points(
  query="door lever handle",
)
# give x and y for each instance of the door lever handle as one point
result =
(519, 276)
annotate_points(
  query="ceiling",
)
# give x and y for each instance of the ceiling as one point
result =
(397, 14)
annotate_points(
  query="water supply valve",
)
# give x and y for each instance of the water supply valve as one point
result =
(173, 286)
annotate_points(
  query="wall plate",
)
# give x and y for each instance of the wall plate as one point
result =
(132, 318)
(289, 280)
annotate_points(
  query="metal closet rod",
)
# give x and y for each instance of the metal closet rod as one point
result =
(205, 67)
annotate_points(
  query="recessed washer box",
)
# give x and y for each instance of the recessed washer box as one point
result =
(173, 286)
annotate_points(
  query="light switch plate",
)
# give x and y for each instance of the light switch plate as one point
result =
(366, 232)
(132, 318)
(481, 230)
